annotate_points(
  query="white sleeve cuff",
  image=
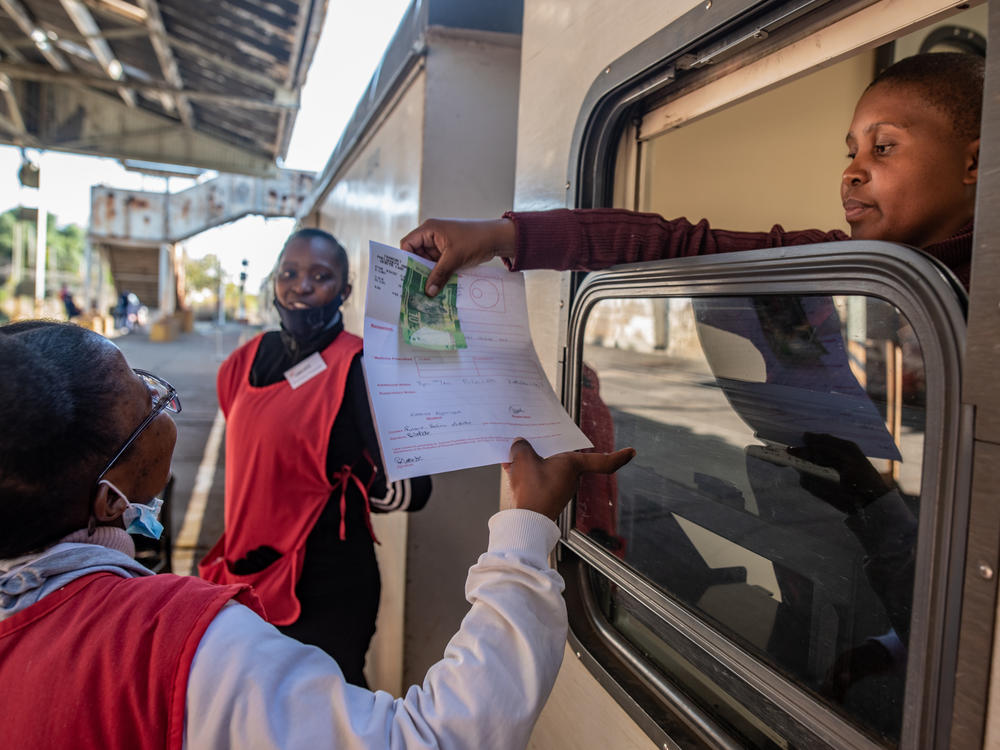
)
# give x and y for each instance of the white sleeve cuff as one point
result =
(522, 532)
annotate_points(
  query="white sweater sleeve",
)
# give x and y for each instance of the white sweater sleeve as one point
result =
(251, 687)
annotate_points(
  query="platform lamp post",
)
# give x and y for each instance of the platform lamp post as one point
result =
(221, 294)
(30, 175)
(243, 286)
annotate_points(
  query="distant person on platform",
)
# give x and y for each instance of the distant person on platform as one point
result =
(66, 297)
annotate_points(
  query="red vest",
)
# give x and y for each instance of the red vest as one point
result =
(277, 440)
(103, 662)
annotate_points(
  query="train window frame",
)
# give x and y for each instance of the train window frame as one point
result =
(926, 296)
(605, 138)
(706, 45)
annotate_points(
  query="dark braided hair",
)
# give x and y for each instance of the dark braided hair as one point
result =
(57, 401)
(951, 82)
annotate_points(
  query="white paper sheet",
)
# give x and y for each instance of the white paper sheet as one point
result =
(441, 411)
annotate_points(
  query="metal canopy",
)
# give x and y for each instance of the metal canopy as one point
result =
(213, 85)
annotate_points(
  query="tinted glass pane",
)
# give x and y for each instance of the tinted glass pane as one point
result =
(776, 488)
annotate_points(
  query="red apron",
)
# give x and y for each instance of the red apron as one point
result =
(103, 662)
(277, 439)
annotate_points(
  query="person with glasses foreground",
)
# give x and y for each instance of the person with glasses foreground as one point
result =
(133, 660)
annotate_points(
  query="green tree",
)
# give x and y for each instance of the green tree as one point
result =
(202, 273)
(68, 243)
(7, 219)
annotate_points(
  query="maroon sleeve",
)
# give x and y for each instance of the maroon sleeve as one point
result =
(589, 239)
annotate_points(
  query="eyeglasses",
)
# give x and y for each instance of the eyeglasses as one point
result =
(164, 398)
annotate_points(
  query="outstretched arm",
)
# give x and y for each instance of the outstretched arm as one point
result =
(584, 239)
(545, 485)
(251, 686)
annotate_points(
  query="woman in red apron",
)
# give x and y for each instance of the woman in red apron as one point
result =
(303, 470)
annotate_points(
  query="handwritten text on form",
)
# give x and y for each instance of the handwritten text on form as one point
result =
(441, 411)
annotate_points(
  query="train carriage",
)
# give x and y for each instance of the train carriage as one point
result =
(714, 601)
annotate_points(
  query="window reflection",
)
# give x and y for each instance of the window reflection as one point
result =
(776, 487)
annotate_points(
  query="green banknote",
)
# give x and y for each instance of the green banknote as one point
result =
(429, 322)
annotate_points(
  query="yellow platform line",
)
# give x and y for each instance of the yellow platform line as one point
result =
(195, 514)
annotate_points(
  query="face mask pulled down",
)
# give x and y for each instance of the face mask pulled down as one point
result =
(139, 518)
(305, 323)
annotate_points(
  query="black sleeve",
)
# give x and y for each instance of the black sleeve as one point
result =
(405, 494)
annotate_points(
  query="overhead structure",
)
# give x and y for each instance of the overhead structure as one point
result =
(137, 231)
(213, 85)
(138, 216)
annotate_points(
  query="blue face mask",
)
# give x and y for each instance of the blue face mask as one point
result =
(139, 518)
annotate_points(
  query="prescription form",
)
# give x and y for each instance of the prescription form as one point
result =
(439, 411)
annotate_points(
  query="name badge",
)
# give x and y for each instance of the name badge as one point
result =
(305, 370)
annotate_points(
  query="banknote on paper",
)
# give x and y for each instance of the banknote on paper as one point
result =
(429, 322)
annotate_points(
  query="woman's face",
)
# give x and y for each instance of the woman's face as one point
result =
(142, 472)
(911, 178)
(309, 274)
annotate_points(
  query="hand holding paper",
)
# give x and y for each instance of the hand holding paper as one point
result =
(457, 244)
(546, 485)
(441, 410)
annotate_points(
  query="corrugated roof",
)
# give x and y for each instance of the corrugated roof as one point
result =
(212, 84)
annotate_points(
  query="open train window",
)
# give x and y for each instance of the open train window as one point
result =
(771, 588)
(773, 158)
(726, 589)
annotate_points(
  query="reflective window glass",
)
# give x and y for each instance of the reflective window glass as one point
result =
(775, 493)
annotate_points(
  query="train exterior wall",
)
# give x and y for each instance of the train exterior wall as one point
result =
(467, 172)
(565, 46)
(385, 171)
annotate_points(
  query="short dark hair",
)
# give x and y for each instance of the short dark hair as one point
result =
(310, 233)
(949, 81)
(57, 401)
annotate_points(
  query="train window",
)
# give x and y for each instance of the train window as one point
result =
(748, 580)
(781, 152)
(776, 489)
(801, 150)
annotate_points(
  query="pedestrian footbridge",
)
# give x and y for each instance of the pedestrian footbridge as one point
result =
(136, 234)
